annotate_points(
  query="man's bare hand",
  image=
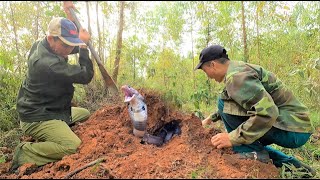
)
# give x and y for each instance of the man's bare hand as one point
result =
(206, 121)
(84, 35)
(66, 6)
(221, 140)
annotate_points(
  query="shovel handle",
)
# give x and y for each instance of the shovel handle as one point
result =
(107, 79)
(76, 20)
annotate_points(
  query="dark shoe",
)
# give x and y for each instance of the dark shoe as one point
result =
(15, 163)
(297, 171)
(309, 171)
(262, 156)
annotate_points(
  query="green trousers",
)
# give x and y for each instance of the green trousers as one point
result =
(54, 138)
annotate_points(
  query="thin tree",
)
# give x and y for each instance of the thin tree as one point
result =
(103, 55)
(99, 33)
(14, 25)
(88, 15)
(244, 34)
(37, 21)
(90, 32)
(192, 14)
(119, 42)
(257, 30)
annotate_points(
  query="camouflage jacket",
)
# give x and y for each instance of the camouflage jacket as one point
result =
(252, 91)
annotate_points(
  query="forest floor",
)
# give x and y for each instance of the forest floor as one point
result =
(107, 134)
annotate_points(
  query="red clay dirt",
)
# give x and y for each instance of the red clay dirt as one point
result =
(108, 134)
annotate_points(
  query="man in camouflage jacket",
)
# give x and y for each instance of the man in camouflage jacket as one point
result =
(256, 109)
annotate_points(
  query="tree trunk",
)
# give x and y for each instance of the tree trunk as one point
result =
(95, 67)
(208, 34)
(119, 42)
(37, 21)
(257, 29)
(244, 34)
(134, 66)
(16, 39)
(192, 50)
(88, 15)
(103, 55)
(208, 26)
(99, 33)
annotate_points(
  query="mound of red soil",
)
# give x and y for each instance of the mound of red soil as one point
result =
(107, 134)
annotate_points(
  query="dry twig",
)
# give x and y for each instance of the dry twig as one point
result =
(84, 167)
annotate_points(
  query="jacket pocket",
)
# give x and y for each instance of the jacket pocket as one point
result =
(233, 108)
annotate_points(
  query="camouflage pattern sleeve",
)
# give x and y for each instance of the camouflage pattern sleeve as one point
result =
(246, 89)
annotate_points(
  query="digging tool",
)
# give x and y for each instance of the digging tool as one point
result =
(108, 81)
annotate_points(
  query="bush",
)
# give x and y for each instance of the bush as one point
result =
(9, 86)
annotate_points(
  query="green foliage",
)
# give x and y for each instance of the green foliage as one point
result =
(54, 9)
(289, 171)
(197, 173)
(165, 23)
(309, 81)
(2, 158)
(91, 96)
(206, 95)
(6, 63)
(11, 138)
(135, 61)
(173, 97)
(79, 93)
(315, 118)
(9, 86)
(204, 98)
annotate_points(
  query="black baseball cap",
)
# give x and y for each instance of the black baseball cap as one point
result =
(211, 53)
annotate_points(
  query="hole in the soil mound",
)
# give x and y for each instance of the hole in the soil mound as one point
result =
(163, 134)
(64, 167)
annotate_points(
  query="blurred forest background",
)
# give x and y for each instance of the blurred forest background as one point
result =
(156, 45)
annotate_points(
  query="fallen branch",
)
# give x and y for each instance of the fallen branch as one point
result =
(84, 167)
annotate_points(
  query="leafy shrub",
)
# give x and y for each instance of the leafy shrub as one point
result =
(9, 86)
(309, 82)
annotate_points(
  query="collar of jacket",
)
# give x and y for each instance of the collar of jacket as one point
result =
(46, 44)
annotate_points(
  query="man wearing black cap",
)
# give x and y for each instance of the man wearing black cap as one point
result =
(256, 109)
(44, 99)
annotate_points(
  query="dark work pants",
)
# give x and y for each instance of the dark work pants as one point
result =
(276, 136)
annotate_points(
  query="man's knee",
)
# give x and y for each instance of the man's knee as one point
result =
(79, 114)
(85, 113)
(299, 139)
(72, 146)
(290, 139)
